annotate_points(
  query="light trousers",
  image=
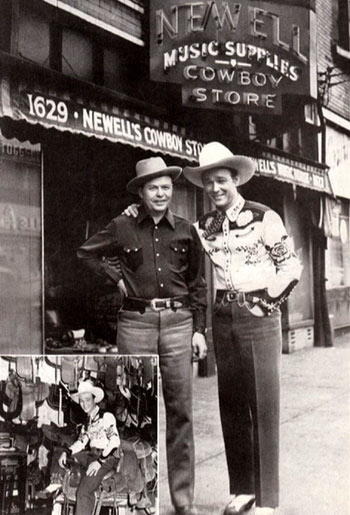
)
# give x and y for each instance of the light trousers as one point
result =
(168, 334)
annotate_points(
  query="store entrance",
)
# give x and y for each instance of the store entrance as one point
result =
(84, 188)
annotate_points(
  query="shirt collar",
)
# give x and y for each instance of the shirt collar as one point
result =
(237, 207)
(143, 214)
(94, 413)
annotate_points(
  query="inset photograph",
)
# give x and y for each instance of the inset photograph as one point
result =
(78, 435)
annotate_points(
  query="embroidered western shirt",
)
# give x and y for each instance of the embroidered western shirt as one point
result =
(251, 251)
(100, 432)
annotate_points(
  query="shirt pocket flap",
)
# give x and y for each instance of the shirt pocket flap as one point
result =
(132, 256)
(179, 254)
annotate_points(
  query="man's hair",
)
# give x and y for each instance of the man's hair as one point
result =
(233, 172)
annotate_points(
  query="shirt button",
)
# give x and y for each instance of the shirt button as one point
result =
(157, 254)
(161, 285)
(156, 226)
(156, 239)
(159, 269)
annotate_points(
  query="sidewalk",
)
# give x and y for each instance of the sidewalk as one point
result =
(314, 438)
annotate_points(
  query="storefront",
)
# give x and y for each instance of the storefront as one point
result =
(86, 161)
(85, 148)
(90, 138)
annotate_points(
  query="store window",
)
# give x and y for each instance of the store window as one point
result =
(338, 255)
(20, 247)
(34, 38)
(77, 55)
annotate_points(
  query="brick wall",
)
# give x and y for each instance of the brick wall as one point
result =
(338, 96)
(114, 13)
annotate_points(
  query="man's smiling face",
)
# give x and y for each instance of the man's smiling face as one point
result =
(156, 194)
(220, 185)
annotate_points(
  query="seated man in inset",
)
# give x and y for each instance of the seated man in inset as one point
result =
(95, 446)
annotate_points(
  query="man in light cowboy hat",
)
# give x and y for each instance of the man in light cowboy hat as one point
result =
(163, 312)
(94, 449)
(255, 268)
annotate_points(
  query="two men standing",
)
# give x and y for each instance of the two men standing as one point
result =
(255, 269)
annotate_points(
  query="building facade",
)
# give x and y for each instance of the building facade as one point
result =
(78, 108)
(333, 54)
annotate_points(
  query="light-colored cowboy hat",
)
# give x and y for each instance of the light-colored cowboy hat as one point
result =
(148, 169)
(89, 387)
(216, 155)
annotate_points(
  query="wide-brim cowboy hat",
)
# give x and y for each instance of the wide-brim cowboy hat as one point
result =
(148, 169)
(88, 387)
(215, 155)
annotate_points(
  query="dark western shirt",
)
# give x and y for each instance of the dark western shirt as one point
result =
(155, 260)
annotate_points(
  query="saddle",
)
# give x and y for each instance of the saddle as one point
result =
(27, 436)
(11, 397)
(135, 470)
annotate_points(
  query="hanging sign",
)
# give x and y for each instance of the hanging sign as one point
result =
(234, 55)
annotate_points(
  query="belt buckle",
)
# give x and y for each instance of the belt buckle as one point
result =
(231, 296)
(241, 300)
(154, 307)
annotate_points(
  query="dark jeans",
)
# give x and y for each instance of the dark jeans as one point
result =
(248, 351)
(89, 484)
(168, 334)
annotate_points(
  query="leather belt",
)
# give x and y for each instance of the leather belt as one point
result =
(228, 296)
(136, 304)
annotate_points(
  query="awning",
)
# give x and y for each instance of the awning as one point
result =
(51, 100)
(48, 104)
(297, 171)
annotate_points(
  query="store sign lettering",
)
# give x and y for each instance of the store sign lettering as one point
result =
(8, 150)
(130, 128)
(291, 172)
(19, 219)
(47, 108)
(233, 54)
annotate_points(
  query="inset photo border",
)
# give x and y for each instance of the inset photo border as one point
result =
(79, 434)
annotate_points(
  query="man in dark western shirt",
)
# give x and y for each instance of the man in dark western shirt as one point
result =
(164, 305)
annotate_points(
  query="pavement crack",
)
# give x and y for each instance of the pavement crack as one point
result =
(313, 409)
